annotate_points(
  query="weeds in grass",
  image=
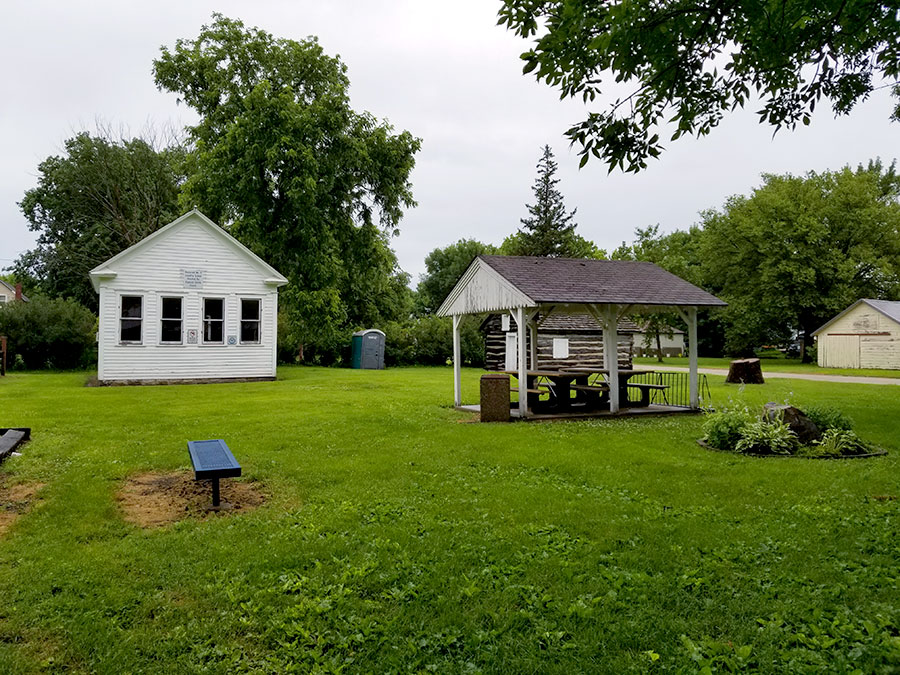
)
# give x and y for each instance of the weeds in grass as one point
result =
(396, 540)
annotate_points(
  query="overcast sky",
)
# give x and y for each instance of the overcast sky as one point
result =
(442, 70)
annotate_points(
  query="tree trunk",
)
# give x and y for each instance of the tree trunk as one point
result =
(806, 342)
(659, 355)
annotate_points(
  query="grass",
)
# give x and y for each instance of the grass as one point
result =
(397, 538)
(771, 365)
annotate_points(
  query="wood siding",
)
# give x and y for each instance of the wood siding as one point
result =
(585, 348)
(862, 338)
(157, 271)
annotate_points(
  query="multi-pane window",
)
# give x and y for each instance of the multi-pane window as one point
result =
(131, 318)
(249, 320)
(213, 320)
(171, 320)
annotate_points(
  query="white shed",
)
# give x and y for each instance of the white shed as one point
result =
(865, 335)
(187, 303)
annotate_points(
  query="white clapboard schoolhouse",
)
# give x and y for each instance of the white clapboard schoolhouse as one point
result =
(187, 303)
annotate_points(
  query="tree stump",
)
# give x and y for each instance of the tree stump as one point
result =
(745, 371)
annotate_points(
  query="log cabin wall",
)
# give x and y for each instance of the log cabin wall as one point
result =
(585, 342)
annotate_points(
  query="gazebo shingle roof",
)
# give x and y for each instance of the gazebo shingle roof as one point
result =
(586, 281)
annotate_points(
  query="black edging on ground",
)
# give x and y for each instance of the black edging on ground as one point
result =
(704, 444)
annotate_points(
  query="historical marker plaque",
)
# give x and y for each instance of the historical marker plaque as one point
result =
(192, 278)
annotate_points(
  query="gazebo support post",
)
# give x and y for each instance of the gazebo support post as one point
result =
(523, 366)
(692, 357)
(611, 354)
(689, 315)
(532, 356)
(457, 365)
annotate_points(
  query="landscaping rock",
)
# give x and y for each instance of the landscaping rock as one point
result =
(800, 424)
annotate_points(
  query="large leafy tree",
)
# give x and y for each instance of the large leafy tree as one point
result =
(443, 268)
(549, 229)
(97, 198)
(800, 249)
(308, 183)
(686, 63)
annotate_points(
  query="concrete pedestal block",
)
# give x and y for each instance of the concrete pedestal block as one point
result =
(494, 397)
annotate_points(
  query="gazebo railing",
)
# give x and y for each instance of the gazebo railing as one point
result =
(677, 392)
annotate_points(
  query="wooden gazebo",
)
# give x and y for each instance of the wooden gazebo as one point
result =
(529, 287)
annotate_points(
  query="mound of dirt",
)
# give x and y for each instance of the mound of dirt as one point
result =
(159, 499)
(16, 500)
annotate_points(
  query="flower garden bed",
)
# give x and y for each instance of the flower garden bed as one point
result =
(819, 432)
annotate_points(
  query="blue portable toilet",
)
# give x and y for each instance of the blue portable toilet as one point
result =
(368, 349)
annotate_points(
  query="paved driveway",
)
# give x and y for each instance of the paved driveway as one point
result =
(852, 379)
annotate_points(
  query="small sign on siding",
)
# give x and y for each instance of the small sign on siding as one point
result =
(192, 278)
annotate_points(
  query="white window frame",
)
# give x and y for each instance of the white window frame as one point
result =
(258, 321)
(560, 348)
(140, 318)
(203, 320)
(504, 322)
(180, 320)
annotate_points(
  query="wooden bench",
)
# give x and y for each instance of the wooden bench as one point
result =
(645, 390)
(590, 387)
(213, 460)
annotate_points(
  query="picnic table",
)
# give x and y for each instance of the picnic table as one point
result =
(590, 386)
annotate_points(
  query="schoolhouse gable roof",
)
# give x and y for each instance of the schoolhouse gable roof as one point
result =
(107, 270)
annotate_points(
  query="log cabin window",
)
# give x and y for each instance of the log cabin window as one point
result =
(171, 320)
(131, 319)
(250, 320)
(560, 348)
(214, 321)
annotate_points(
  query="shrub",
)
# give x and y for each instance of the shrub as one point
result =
(722, 430)
(49, 333)
(428, 341)
(766, 437)
(828, 417)
(836, 443)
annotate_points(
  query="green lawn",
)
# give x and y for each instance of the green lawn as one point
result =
(397, 538)
(772, 365)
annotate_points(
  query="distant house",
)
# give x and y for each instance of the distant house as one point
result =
(671, 342)
(865, 335)
(563, 340)
(187, 303)
(10, 293)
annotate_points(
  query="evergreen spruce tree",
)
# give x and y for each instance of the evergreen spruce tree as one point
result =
(549, 230)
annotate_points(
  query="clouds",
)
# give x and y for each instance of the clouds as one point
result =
(442, 70)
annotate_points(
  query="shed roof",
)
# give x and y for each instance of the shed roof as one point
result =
(890, 308)
(532, 281)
